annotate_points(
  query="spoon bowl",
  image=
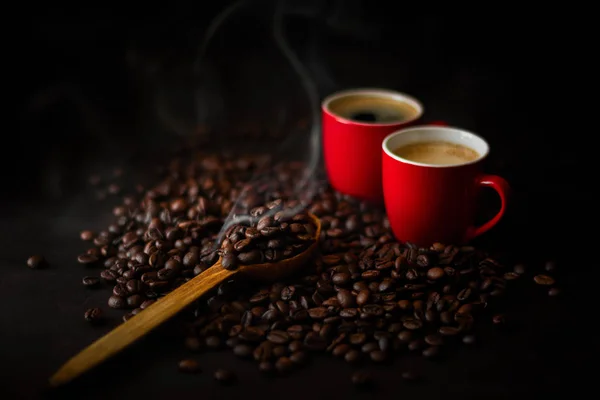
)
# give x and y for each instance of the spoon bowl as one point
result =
(280, 269)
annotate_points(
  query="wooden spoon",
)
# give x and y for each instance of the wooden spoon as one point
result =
(165, 308)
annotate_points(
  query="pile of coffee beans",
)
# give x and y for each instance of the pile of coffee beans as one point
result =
(270, 233)
(366, 297)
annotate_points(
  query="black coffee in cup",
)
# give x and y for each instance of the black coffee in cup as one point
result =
(372, 108)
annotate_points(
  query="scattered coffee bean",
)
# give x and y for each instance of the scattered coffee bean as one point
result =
(519, 269)
(90, 281)
(410, 376)
(468, 339)
(550, 266)
(362, 379)
(189, 366)
(86, 235)
(192, 343)
(224, 376)
(94, 315)
(284, 365)
(431, 352)
(87, 259)
(553, 292)
(37, 262)
(544, 280)
(116, 302)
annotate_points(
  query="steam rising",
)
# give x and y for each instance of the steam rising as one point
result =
(306, 186)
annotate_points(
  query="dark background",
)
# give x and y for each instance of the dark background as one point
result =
(94, 88)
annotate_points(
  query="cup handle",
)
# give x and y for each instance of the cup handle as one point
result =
(501, 187)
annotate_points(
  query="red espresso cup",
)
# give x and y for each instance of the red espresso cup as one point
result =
(431, 179)
(354, 123)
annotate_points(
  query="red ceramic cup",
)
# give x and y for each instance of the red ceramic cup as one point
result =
(352, 149)
(428, 203)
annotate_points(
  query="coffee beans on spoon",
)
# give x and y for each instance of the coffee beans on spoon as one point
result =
(270, 233)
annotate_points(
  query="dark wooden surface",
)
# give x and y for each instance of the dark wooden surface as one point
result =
(83, 110)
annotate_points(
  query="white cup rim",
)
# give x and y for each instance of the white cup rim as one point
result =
(423, 133)
(387, 93)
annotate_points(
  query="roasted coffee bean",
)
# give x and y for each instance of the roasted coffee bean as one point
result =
(116, 302)
(362, 379)
(544, 280)
(90, 281)
(284, 365)
(243, 350)
(146, 304)
(189, 366)
(213, 342)
(86, 235)
(278, 337)
(265, 367)
(36, 262)
(435, 273)
(299, 357)
(553, 292)
(94, 315)
(468, 339)
(409, 376)
(550, 266)
(120, 291)
(431, 352)
(192, 343)
(449, 330)
(229, 261)
(224, 376)
(87, 259)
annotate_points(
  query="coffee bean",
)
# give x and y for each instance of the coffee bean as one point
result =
(550, 266)
(519, 269)
(229, 261)
(362, 379)
(94, 315)
(265, 367)
(378, 355)
(278, 337)
(353, 356)
(284, 365)
(213, 342)
(87, 259)
(189, 366)
(448, 330)
(544, 280)
(554, 292)
(37, 262)
(431, 352)
(409, 376)
(116, 302)
(340, 350)
(434, 340)
(468, 339)
(90, 281)
(134, 301)
(146, 303)
(299, 357)
(86, 235)
(192, 343)
(243, 350)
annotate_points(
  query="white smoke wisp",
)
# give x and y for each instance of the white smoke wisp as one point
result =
(307, 184)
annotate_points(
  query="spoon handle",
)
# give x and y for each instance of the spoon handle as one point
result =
(138, 326)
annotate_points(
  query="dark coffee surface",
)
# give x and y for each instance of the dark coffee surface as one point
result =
(373, 108)
(47, 202)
